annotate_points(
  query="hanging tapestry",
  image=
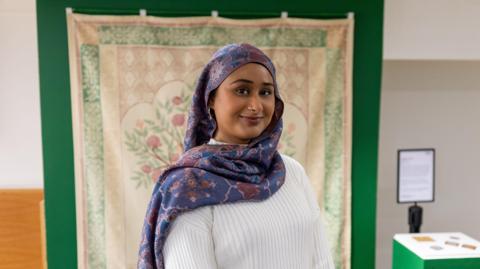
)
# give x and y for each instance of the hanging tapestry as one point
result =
(132, 79)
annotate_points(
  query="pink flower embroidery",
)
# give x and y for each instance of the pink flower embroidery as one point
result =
(156, 174)
(291, 127)
(178, 119)
(140, 124)
(174, 157)
(177, 100)
(146, 169)
(280, 146)
(153, 141)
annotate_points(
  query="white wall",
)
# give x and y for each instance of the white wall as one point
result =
(430, 104)
(430, 98)
(20, 137)
(432, 29)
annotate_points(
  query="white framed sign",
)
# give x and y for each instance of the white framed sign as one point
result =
(416, 175)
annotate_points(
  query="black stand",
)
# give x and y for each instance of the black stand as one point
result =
(415, 218)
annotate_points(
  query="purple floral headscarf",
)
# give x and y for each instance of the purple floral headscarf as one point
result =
(214, 174)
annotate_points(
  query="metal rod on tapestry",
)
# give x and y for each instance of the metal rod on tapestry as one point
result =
(213, 13)
(283, 14)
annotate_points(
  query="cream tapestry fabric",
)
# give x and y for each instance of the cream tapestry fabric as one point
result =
(132, 78)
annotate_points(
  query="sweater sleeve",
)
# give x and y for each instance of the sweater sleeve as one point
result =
(322, 258)
(189, 244)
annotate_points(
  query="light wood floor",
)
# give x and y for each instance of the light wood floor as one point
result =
(21, 237)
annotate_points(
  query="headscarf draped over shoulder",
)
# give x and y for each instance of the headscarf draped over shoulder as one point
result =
(214, 174)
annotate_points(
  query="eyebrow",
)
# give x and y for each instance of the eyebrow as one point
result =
(251, 82)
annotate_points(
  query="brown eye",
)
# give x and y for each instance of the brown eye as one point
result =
(267, 92)
(242, 91)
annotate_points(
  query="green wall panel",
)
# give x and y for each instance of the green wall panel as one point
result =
(56, 110)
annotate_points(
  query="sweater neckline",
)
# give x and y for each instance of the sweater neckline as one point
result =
(212, 141)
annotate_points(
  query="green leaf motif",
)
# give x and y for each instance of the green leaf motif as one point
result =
(157, 143)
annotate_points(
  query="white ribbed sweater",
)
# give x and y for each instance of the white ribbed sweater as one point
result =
(284, 231)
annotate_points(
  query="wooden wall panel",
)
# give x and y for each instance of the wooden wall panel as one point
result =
(20, 229)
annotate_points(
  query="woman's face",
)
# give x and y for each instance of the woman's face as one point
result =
(243, 104)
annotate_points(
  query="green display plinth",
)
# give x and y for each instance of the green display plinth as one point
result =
(435, 251)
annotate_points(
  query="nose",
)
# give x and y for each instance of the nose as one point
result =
(254, 103)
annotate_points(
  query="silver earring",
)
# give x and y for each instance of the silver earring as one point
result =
(210, 112)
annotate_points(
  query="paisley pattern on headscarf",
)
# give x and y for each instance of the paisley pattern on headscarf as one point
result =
(214, 174)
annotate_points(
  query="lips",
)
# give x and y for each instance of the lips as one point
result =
(251, 117)
(251, 120)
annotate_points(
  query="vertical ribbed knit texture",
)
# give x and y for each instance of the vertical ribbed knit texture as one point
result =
(284, 231)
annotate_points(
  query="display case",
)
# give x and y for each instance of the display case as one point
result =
(435, 251)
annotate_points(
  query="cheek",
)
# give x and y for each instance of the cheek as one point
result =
(270, 108)
(227, 113)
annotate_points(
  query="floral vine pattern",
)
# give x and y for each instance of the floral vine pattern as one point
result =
(158, 143)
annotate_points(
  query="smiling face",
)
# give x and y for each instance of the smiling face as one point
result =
(243, 104)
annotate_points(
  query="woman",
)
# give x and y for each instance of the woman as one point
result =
(232, 201)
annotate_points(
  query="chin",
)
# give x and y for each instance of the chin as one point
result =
(250, 135)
